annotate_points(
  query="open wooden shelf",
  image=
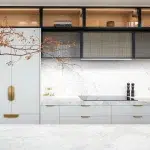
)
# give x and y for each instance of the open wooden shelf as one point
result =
(19, 17)
(98, 17)
(62, 14)
(145, 17)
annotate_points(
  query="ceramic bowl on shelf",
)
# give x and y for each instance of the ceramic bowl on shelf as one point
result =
(110, 24)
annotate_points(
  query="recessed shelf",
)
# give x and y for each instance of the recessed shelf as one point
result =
(53, 16)
(19, 17)
(111, 17)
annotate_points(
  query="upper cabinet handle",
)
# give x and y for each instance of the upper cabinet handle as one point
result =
(50, 105)
(85, 105)
(138, 105)
(85, 116)
(11, 93)
(137, 116)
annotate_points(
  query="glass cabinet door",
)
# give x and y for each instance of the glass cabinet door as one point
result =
(142, 45)
(106, 45)
(61, 44)
(111, 17)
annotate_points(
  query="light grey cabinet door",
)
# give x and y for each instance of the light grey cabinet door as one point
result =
(107, 45)
(5, 77)
(142, 45)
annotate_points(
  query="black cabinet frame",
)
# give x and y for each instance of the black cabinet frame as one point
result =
(84, 28)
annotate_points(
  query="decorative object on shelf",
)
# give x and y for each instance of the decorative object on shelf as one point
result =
(33, 20)
(63, 23)
(110, 24)
(134, 20)
(22, 23)
(48, 92)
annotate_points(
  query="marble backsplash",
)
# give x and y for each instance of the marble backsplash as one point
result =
(78, 77)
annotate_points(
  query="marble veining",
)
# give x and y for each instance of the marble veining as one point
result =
(75, 137)
(75, 100)
(95, 77)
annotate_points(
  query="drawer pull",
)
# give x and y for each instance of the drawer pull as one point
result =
(11, 115)
(11, 93)
(85, 105)
(137, 116)
(85, 116)
(137, 105)
(50, 105)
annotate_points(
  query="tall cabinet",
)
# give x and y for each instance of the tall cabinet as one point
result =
(20, 82)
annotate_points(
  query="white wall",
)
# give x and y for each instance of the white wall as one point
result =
(96, 77)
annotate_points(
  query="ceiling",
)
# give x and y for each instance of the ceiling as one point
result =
(75, 2)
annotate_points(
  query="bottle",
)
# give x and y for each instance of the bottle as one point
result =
(128, 91)
(132, 91)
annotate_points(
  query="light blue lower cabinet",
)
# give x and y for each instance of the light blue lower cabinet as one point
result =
(131, 114)
(132, 119)
(86, 120)
(8, 118)
(49, 114)
(52, 114)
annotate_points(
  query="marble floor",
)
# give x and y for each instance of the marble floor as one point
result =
(74, 137)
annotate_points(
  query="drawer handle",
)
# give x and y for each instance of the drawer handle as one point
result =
(85, 105)
(137, 105)
(85, 117)
(11, 115)
(137, 116)
(50, 105)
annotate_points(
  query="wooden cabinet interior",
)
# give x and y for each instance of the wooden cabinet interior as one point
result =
(51, 15)
(121, 17)
(145, 17)
(19, 17)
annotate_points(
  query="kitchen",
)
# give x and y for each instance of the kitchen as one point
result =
(75, 65)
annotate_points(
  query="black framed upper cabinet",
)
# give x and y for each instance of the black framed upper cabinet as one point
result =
(62, 17)
(145, 17)
(61, 44)
(142, 45)
(111, 17)
(107, 45)
(19, 17)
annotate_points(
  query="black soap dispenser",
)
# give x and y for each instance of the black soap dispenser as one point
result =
(132, 91)
(128, 91)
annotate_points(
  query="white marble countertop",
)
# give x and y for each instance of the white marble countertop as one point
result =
(75, 137)
(75, 100)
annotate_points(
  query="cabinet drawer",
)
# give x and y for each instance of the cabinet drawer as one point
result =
(84, 110)
(130, 119)
(131, 110)
(49, 119)
(21, 119)
(51, 110)
(85, 120)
